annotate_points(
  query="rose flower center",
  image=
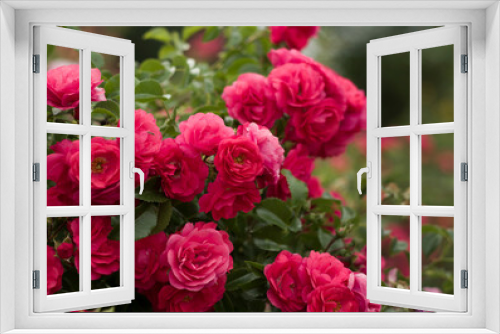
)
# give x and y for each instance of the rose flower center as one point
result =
(97, 165)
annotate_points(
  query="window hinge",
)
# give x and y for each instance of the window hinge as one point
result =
(36, 63)
(36, 279)
(465, 279)
(36, 172)
(465, 64)
(464, 171)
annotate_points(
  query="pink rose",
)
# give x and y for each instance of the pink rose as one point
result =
(324, 268)
(332, 298)
(251, 99)
(286, 285)
(150, 267)
(360, 262)
(297, 86)
(357, 284)
(238, 160)
(183, 172)
(204, 132)
(171, 299)
(270, 149)
(317, 123)
(147, 139)
(294, 37)
(354, 122)
(198, 256)
(63, 86)
(314, 187)
(225, 201)
(333, 87)
(105, 253)
(65, 250)
(58, 162)
(54, 272)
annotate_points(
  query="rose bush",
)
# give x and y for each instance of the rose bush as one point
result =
(235, 214)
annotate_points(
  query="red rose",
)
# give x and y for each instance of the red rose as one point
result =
(65, 250)
(182, 172)
(105, 253)
(332, 298)
(357, 284)
(198, 256)
(251, 99)
(238, 160)
(225, 201)
(294, 37)
(171, 299)
(63, 86)
(54, 272)
(149, 265)
(203, 132)
(324, 268)
(269, 147)
(317, 123)
(297, 86)
(147, 139)
(286, 285)
(354, 122)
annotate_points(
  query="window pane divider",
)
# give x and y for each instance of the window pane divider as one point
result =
(419, 129)
(81, 130)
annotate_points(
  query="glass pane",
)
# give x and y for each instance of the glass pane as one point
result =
(62, 255)
(395, 252)
(437, 169)
(63, 170)
(395, 94)
(105, 165)
(105, 256)
(437, 84)
(105, 90)
(395, 170)
(63, 84)
(437, 254)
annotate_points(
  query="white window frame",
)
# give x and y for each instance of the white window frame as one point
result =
(413, 44)
(86, 43)
(483, 20)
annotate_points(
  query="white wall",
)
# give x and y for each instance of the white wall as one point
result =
(7, 160)
(492, 166)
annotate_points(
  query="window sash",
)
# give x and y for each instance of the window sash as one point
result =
(86, 297)
(413, 43)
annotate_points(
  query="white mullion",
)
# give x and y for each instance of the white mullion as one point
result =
(74, 211)
(420, 129)
(67, 129)
(108, 131)
(85, 166)
(392, 210)
(414, 170)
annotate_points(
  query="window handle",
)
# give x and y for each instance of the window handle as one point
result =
(141, 176)
(368, 171)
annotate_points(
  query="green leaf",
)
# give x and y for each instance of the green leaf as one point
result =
(399, 246)
(145, 223)
(96, 59)
(270, 218)
(187, 32)
(148, 90)
(243, 65)
(112, 87)
(167, 51)
(240, 281)
(325, 205)
(152, 65)
(211, 33)
(189, 209)
(430, 242)
(164, 215)
(269, 245)
(181, 75)
(255, 265)
(298, 189)
(109, 108)
(324, 237)
(159, 34)
(153, 192)
(348, 215)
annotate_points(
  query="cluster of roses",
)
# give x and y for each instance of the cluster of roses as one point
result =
(105, 252)
(186, 271)
(317, 283)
